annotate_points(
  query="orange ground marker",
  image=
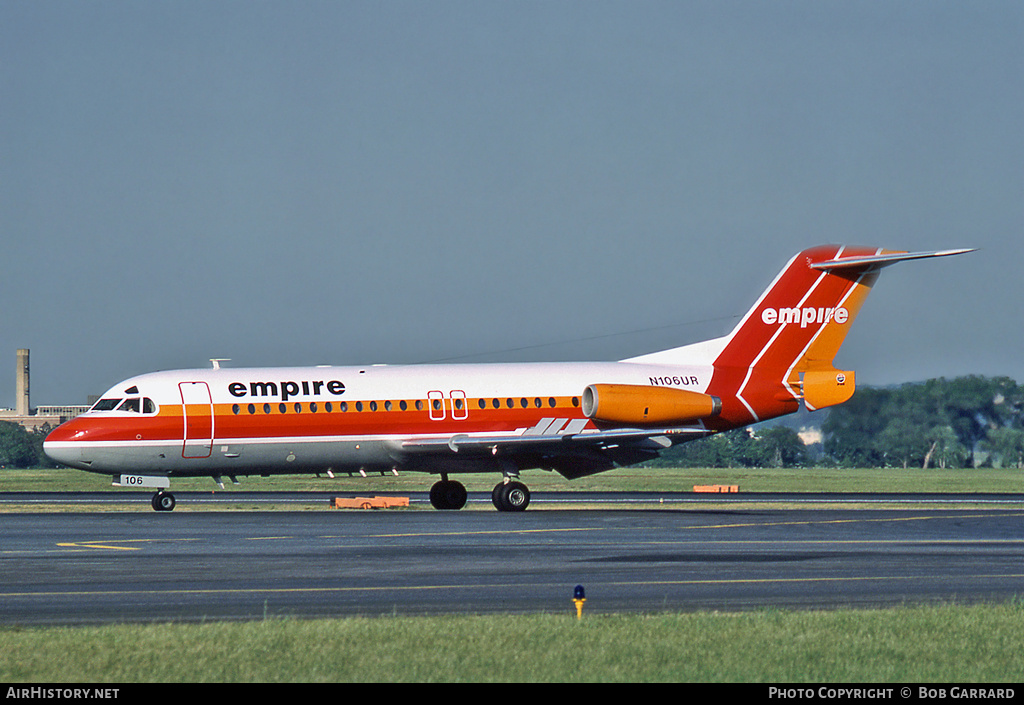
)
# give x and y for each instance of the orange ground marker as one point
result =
(369, 502)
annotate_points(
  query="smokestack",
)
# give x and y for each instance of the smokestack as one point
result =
(21, 375)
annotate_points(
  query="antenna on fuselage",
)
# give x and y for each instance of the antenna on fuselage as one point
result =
(217, 360)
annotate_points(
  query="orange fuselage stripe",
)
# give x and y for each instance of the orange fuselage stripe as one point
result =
(267, 421)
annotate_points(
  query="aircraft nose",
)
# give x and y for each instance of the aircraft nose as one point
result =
(68, 431)
(62, 444)
(62, 455)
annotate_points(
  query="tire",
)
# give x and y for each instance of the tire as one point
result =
(511, 497)
(163, 501)
(448, 494)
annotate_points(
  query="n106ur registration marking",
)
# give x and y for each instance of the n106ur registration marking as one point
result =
(142, 481)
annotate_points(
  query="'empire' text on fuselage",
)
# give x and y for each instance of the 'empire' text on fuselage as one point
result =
(287, 389)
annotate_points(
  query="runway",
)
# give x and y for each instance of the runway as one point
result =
(89, 567)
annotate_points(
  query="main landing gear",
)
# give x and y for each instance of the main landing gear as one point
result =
(507, 496)
(510, 496)
(448, 494)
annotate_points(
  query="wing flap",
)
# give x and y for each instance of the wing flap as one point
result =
(549, 443)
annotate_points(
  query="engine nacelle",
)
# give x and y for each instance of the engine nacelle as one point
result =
(823, 388)
(640, 405)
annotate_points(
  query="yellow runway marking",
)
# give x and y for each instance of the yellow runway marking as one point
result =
(489, 532)
(701, 527)
(856, 520)
(492, 586)
(824, 579)
(117, 544)
(91, 544)
(110, 545)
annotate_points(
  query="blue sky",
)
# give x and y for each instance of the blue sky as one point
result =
(359, 182)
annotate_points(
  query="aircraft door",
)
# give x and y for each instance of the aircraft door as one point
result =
(197, 410)
(435, 402)
(460, 409)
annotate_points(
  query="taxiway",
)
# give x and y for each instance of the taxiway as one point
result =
(89, 567)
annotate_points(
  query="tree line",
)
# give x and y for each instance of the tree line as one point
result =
(964, 422)
(20, 448)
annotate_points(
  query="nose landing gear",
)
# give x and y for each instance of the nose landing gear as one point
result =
(163, 501)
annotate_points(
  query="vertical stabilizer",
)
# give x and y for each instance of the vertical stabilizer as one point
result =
(782, 350)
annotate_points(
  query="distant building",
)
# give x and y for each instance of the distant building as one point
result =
(810, 435)
(24, 414)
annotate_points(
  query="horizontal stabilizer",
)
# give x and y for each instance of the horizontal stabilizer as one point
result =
(882, 260)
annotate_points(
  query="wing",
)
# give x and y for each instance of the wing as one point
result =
(570, 451)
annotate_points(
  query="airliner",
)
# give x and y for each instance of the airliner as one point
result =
(576, 418)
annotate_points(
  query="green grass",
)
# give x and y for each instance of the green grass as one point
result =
(949, 644)
(636, 479)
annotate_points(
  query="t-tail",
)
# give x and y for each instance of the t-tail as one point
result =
(780, 354)
(782, 350)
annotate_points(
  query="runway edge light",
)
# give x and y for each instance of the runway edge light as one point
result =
(579, 596)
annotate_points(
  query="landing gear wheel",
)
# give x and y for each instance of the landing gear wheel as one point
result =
(163, 501)
(448, 494)
(511, 497)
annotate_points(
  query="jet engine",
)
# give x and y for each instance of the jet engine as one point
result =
(640, 405)
(827, 387)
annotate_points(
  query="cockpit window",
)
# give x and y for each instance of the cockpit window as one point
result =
(130, 405)
(133, 405)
